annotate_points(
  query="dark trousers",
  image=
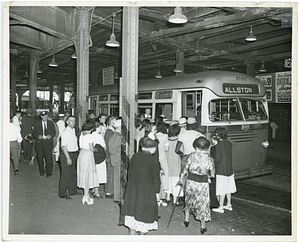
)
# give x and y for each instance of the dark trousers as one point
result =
(27, 149)
(44, 149)
(68, 175)
(109, 187)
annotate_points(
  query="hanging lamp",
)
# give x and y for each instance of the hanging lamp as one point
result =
(116, 77)
(53, 63)
(112, 42)
(179, 64)
(39, 71)
(74, 56)
(251, 36)
(158, 75)
(262, 68)
(177, 17)
(26, 73)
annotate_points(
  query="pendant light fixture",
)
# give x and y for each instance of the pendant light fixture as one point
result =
(53, 63)
(262, 68)
(251, 36)
(74, 56)
(116, 77)
(179, 63)
(177, 17)
(112, 42)
(158, 75)
(38, 71)
(26, 73)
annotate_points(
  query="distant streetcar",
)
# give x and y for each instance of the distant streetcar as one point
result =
(233, 100)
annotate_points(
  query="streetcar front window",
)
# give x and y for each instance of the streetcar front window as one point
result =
(224, 110)
(253, 109)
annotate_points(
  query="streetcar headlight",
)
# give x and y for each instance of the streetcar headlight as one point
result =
(265, 144)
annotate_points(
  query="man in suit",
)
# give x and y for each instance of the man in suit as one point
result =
(114, 144)
(43, 132)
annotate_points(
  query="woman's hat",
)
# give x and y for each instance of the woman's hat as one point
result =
(191, 120)
(182, 122)
(147, 142)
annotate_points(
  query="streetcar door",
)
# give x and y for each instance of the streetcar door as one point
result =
(191, 103)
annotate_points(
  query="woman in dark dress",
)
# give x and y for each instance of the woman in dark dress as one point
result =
(140, 202)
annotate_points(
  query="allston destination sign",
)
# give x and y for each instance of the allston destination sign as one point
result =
(240, 89)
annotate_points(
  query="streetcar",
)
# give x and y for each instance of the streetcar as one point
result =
(232, 100)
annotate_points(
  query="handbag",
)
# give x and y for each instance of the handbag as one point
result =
(99, 154)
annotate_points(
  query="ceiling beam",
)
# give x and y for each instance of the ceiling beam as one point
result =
(218, 21)
(45, 19)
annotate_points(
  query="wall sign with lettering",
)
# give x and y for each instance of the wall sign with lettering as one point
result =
(283, 85)
(240, 89)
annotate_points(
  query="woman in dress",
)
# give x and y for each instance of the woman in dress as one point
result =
(163, 148)
(199, 168)
(87, 177)
(174, 163)
(140, 201)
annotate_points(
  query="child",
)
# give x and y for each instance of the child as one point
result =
(140, 201)
(225, 184)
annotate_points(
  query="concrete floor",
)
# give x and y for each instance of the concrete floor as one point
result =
(35, 212)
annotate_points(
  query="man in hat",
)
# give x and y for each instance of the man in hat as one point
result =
(114, 145)
(43, 132)
(26, 132)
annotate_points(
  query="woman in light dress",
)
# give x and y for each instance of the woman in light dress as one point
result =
(87, 177)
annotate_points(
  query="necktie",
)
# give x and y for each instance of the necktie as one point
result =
(44, 128)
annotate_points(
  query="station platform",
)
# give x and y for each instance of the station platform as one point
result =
(261, 207)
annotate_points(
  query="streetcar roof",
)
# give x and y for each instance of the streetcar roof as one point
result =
(212, 80)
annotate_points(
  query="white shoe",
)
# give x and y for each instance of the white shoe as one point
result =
(228, 207)
(164, 204)
(218, 210)
(88, 200)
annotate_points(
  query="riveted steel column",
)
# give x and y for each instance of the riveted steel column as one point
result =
(13, 79)
(129, 80)
(81, 42)
(34, 61)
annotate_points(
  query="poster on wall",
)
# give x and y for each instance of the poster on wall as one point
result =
(266, 80)
(269, 94)
(283, 87)
(108, 75)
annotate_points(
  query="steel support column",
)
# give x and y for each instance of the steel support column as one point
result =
(81, 41)
(34, 61)
(62, 94)
(13, 79)
(129, 80)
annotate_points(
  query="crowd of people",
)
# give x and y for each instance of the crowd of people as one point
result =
(174, 164)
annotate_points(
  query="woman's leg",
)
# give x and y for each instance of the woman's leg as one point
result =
(222, 197)
(186, 215)
(132, 231)
(228, 196)
(203, 224)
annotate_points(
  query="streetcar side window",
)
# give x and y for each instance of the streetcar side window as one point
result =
(163, 109)
(145, 110)
(253, 109)
(224, 110)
